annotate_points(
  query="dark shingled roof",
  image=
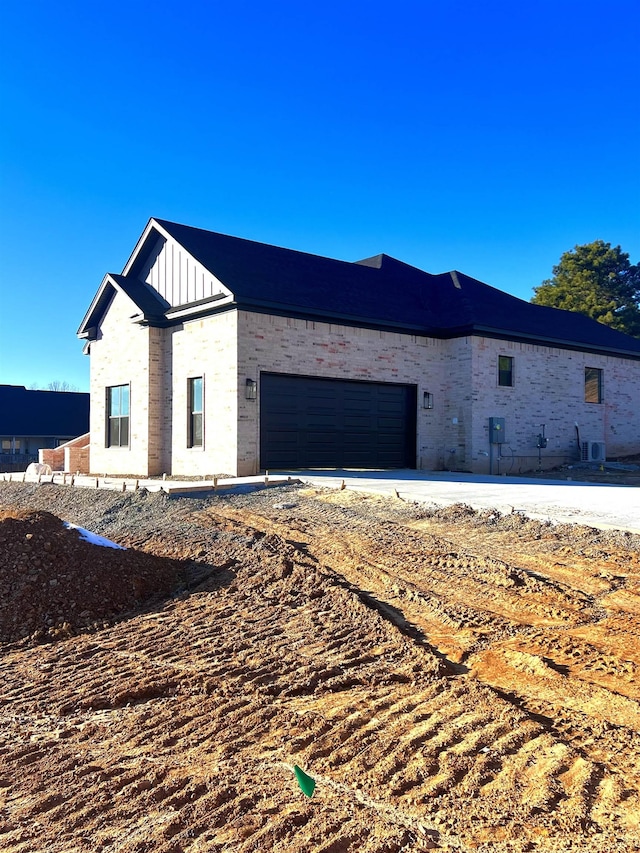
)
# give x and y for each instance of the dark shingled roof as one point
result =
(62, 414)
(385, 292)
(379, 292)
(151, 305)
(145, 297)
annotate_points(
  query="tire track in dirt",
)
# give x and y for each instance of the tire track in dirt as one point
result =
(177, 729)
(587, 694)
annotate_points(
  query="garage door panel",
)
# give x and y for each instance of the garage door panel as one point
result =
(391, 424)
(356, 422)
(319, 439)
(356, 440)
(359, 408)
(308, 422)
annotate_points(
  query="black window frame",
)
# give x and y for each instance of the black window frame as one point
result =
(118, 432)
(195, 417)
(505, 373)
(593, 385)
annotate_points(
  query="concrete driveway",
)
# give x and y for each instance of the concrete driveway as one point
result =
(602, 506)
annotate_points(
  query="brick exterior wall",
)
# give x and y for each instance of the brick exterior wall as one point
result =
(70, 457)
(120, 356)
(158, 363)
(206, 348)
(461, 374)
(548, 388)
(53, 457)
(286, 345)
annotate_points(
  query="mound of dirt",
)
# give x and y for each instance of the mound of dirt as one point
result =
(53, 583)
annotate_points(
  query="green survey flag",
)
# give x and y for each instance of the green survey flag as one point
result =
(307, 784)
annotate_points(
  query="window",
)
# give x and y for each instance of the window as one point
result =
(11, 445)
(194, 438)
(592, 385)
(505, 371)
(118, 416)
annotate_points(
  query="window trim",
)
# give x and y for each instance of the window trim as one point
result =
(109, 418)
(191, 412)
(597, 378)
(502, 372)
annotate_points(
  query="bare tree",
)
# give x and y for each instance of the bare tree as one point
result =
(56, 385)
(59, 385)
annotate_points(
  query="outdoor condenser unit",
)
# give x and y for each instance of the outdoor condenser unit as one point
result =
(593, 451)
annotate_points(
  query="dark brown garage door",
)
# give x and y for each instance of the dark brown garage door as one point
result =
(329, 423)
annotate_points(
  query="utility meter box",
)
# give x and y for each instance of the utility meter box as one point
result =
(496, 431)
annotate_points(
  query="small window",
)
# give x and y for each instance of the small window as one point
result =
(195, 387)
(592, 385)
(11, 445)
(505, 371)
(118, 416)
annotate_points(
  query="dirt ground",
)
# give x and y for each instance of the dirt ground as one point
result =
(452, 680)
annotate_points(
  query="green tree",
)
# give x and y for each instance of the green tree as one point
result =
(599, 281)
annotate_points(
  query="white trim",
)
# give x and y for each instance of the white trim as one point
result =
(82, 332)
(189, 310)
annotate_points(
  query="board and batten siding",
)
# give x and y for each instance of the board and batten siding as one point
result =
(177, 276)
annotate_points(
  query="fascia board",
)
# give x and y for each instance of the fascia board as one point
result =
(151, 225)
(198, 308)
(558, 343)
(82, 332)
(87, 324)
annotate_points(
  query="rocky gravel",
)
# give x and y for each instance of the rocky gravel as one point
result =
(450, 679)
(53, 583)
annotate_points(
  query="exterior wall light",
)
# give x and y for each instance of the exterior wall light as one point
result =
(427, 400)
(251, 389)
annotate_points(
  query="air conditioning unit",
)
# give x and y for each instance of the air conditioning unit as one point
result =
(593, 451)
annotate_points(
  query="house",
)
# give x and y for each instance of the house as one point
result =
(213, 354)
(30, 420)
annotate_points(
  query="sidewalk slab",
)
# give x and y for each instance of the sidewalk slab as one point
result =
(170, 487)
(566, 502)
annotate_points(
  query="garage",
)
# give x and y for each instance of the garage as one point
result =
(306, 422)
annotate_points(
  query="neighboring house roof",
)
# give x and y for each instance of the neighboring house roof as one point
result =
(381, 292)
(42, 413)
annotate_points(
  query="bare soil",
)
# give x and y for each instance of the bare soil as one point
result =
(452, 680)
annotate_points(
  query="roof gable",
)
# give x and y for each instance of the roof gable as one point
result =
(150, 304)
(177, 271)
(169, 266)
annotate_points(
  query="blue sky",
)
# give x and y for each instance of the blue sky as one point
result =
(486, 137)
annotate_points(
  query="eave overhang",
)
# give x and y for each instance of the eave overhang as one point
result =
(542, 340)
(151, 306)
